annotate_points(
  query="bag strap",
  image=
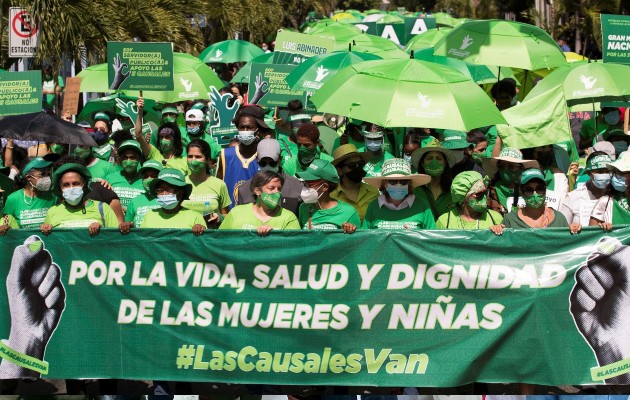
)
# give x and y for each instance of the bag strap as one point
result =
(431, 202)
(284, 143)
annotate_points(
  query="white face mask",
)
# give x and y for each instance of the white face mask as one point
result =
(246, 137)
(310, 195)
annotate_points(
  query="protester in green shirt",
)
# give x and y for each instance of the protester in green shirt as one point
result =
(170, 189)
(374, 137)
(320, 211)
(196, 129)
(398, 208)
(98, 168)
(102, 130)
(140, 205)
(266, 213)
(71, 182)
(7, 222)
(309, 149)
(127, 183)
(614, 209)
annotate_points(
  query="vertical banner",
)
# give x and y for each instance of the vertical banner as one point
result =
(140, 66)
(292, 48)
(616, 38)
(20, 92)
(71, 96)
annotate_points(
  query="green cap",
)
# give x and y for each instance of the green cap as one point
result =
(173, 177)
(170, 110)
(70, 167)
(151, 164)
(102, 116)
(35, 163)
(598, 162)
(531, 173)
(455, 140)
(462, 184)
(320, 169)
(131, 145)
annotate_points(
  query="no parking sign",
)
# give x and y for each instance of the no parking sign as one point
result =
(23, 33)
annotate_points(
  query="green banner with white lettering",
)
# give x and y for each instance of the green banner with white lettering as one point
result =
(140, 66)
(20, 92)
(616, 38)
(398, 308)
(293, 48)
(267, 86)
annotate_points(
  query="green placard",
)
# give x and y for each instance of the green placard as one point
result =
(293, 48)
(416, 26)
(402, 308)
(267, 86)
(393, 32)
(140, 66)
(20, 92)
(616, 38)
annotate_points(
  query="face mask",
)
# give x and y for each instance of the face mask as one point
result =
(478, 205)
(306, 155)
(508, 176)
(619, 183)
(82, 152)
(356, 175)
(146, 183)
(397, 192)
(601, 181)
(620, 147)
(194, 131)
(477, 157)
(612, 118)
(545, 158)
(407, 158)
(166, 145)
(513, 101)
(43, 184)
(99, 136)
(57, 149)
(459, 156)
(73, 195)
(102, 150)
(271, 200)
(196, 166)
(374, 145)
(130, 166)
(264, 48)
(246, 137)
(536, 200)
(167, 201)
(48, 77)
(434, 168)
(310, 195)
(169, 118)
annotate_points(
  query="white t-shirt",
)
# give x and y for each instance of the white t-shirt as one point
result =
(578, 206)
(603, 209)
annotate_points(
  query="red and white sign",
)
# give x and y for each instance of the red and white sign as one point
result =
(23, 33)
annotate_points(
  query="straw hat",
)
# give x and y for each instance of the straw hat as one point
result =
(346, 151)
(507, 154)
(397, 168)
(433, 145)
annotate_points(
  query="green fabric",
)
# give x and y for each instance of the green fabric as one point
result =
(212, 190)
(7, 186)
(375, 166)
(29, 213)
(243, 218)
(292, 166)
(103, 152)
(491, 134)
(180, 163)
(286, 146)
(503, 193)
(442, 203)
(452, 220)
(331, 218)
(101, 169)
(512, 220)
(10, 220)
(138, 207)
(125, 189)
(356, 143)
(418, 216)
(620, 214)
(184, 219)
(549, 179)
(49, 99)
(462, 184)
(62, 216)
(587, 132)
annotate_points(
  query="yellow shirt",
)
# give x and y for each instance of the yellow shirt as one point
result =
(367, 193)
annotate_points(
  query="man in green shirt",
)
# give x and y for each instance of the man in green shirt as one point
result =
(127, 182)
(145, 202)
(308, 150)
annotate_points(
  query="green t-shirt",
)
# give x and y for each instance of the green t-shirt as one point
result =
(374, 166)
(125, 189)
(212, 190)
(331, 218)
(243, 218)
(29, 212)
(292, 166)
(100, 169)
(9, 220)
(103, 152)
(452, 220)
(63, 216)
(442, 203)
(180, 163)
(184, 219)
(288, 149)
(418, 216)
(138, 207)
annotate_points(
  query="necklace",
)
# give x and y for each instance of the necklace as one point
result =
(25, 201)
(461, 221)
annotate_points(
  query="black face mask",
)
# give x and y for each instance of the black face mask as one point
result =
(356, 175)
(545, 159)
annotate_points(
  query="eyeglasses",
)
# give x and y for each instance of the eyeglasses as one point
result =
(270, 163)
(398, 181)
(529, 190)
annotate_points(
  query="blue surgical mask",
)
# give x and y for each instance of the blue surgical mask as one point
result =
(619, 183)
(601, 180)
(374, 145)
(397, 192)
(72, 195)
(407, 158)
(612, 118)
(167, 201)
(246, 137)
(194, 131)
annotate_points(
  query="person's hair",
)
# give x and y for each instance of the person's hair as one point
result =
(262, 178)
(238, 86)
(178, 147)
(412, 138)
(201, 145)
(503, 86)
(295, 106)
(309, 131)
(107, 122)
(120, 136)
(446, 179)
(475, 137)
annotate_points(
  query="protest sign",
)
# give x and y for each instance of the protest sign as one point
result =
(616, 38)
(140, 66)
(223, 128)
(267, 86)
(71, 96)
(402, 308)
(20, 92)
(293, 48)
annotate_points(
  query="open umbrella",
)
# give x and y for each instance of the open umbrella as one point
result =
(314, 72)
(242, 76)
(229, 51)
(477, 73)
(376, 45)
(445, 19)
(573, 57)
(192, 79)
(335, 30)
(426, 39)
(501, 43)
(410, 93)
(43, 127)
(94, 79)
(108, 103)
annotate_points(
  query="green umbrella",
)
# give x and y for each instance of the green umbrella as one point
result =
(477, 73)
(390, 19)
(445, 19)
(503, 43)
(108, 104)
(230, 51)
(314, 72)
(410, 93)
(94, 79)
(192, 79)
(376, 45)
(310, 25)
(336, 30)
(242, 76)
(426, 39)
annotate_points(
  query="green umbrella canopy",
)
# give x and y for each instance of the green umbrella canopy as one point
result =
(445, 19)
(314, 72)
(229, 51)
(504, 43)
(242, 76)
(376, 45)
(477, 73)
(94, 79)
(108, 103)
(390, 19)
(306, 28)
(426, 39)
(192, 79)
(410, 93)
(335, 30)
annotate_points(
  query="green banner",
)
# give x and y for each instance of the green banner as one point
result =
(294, 48)
(393, 32)
(140, 66)
(20, 92)
(427, 308)
(267, 86)
(416, 26)
(616, 38)
(367, 27)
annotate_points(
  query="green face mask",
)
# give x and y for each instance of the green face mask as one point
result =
(130, 166)
(478, 205)
(271, 200)
(196, 166)
(508, 176)
(477, 157)
(434, 168)
(166, 145)
(306, 155)
(146, 183)
(58, 149)
(82, 152)
(169, 118)
(535, 200)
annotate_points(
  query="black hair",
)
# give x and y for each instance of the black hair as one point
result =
(412, 138)
(120, 136)
(201, 145)
(262, 178)
(475, 136)
(503, 86)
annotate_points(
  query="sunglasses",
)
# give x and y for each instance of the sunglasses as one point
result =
(270, 163)
(354, 165)
(398, 181)
(529, 190)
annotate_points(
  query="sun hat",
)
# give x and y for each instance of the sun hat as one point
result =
(36, 163)
(455, 140)
(319, 170)
(268, 148)
(71, 167)
(253, 111)
(346, 151)
(397, 168)
(507, 154)
(194, 115)
(622, 163)
(131, 145)
(596, 162)
(173, 177)
(432, 145)
(464, 183)
(151, 164)
(532, 173)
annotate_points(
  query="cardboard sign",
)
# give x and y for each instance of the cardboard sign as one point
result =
(71, 96)
(140, 66)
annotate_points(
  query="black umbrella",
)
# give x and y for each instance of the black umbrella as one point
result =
(43, 127)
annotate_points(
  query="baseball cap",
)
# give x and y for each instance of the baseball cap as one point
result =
(194, 115)
(531, 173)
(268, 148)
(320, 169)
